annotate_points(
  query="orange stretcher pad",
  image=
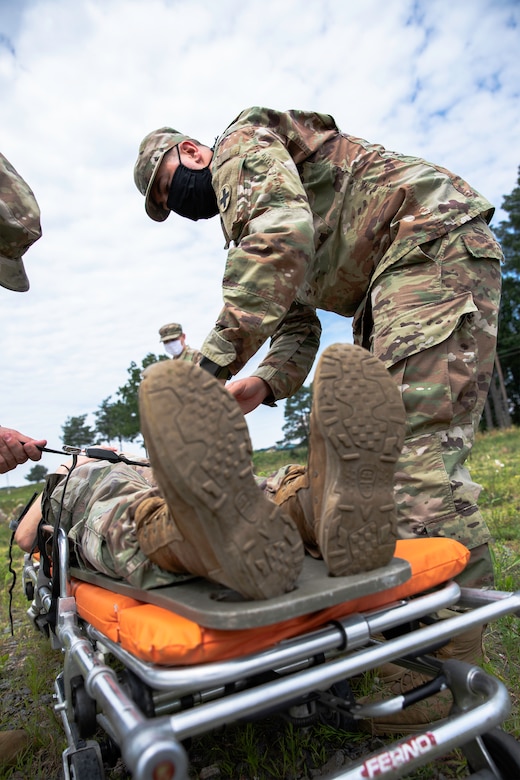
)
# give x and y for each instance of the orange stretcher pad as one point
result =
(157, 635)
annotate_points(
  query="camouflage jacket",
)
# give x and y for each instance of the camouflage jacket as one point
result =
(190, 354)
(311, 217)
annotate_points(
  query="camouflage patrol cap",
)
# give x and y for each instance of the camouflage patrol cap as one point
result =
(170, 332)
(19, 226)
(152, 149)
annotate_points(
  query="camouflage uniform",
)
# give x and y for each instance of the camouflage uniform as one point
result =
(19, 226)
(96, 508)
(97, 514)
(316, 218)
(190, 354)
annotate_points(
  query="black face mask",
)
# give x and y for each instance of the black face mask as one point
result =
(191, 193)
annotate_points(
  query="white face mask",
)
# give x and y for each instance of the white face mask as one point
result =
(173, 348)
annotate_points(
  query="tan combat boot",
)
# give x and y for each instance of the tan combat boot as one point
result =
(161, 540)
(294, 496)
(395, 681)
(220, 525)
(356, 435)
(12, 745)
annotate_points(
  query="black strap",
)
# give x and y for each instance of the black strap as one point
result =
(50, 562)
(51, 483)
(219, 372)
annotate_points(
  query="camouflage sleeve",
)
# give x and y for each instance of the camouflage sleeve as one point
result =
(191, 355)
(268, 223)
(292, 351)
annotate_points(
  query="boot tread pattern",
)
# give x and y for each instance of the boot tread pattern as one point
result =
(357, 432)
(202, 460)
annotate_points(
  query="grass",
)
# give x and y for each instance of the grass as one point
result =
(269, 748)
(265, 462)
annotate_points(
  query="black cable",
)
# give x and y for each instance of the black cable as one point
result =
(90, 452)
(13, 583)
(13, 525)
(97, 452)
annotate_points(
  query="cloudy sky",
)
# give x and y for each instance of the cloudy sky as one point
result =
(83, 81)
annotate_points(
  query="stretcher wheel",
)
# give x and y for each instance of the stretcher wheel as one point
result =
(140, 692)
(338, 718)
(84, 765)
(505, 752)
(83, 707)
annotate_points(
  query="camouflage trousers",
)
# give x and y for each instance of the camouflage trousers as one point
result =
(432, 318)
(96, 508)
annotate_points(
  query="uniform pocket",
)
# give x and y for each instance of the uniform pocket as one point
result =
(482, 246)
(420, 328)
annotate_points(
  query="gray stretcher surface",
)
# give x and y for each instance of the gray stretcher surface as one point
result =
(214, 606)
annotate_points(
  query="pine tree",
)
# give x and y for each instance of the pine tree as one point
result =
(76, 433)
(297, 415)
(508, 349)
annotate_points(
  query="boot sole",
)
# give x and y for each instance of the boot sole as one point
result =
(359, 420)
(199, 447)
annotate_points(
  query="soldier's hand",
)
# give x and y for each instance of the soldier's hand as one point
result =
(249, 392)
(16, 448)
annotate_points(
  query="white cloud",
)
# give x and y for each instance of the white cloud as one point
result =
(83, 82)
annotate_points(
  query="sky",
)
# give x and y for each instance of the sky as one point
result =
(83, 82)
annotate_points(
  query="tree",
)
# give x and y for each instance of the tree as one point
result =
(508, 347)
(297, 415)
(112, 421)
(126, 412)
(37, 473)
(118, 419)
(76, 433)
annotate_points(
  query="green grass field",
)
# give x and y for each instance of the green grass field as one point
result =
(28, 665)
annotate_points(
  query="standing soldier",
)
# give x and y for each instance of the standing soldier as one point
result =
(19, 229)
(174, 341)
(315, 218)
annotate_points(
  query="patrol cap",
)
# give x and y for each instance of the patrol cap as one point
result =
(171, 331)
(19, 226)
(152, 149)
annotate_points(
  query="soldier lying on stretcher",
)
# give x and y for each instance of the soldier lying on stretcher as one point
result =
(200, 511)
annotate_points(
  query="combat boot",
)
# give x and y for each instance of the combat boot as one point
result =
(12, 745)
(219, 524)
(357, 432)
(161, 540)
(395, 680)
(294, 497)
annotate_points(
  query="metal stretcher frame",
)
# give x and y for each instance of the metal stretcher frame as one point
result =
(227, 691)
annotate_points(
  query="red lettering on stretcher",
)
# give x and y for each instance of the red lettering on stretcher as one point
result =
(402, 754)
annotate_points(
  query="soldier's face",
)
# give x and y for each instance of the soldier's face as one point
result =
(163, 178)
(186, 153)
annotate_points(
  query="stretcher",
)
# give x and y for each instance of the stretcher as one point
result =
(148, 670)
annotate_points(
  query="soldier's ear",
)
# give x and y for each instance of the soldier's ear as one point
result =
(191, 149)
